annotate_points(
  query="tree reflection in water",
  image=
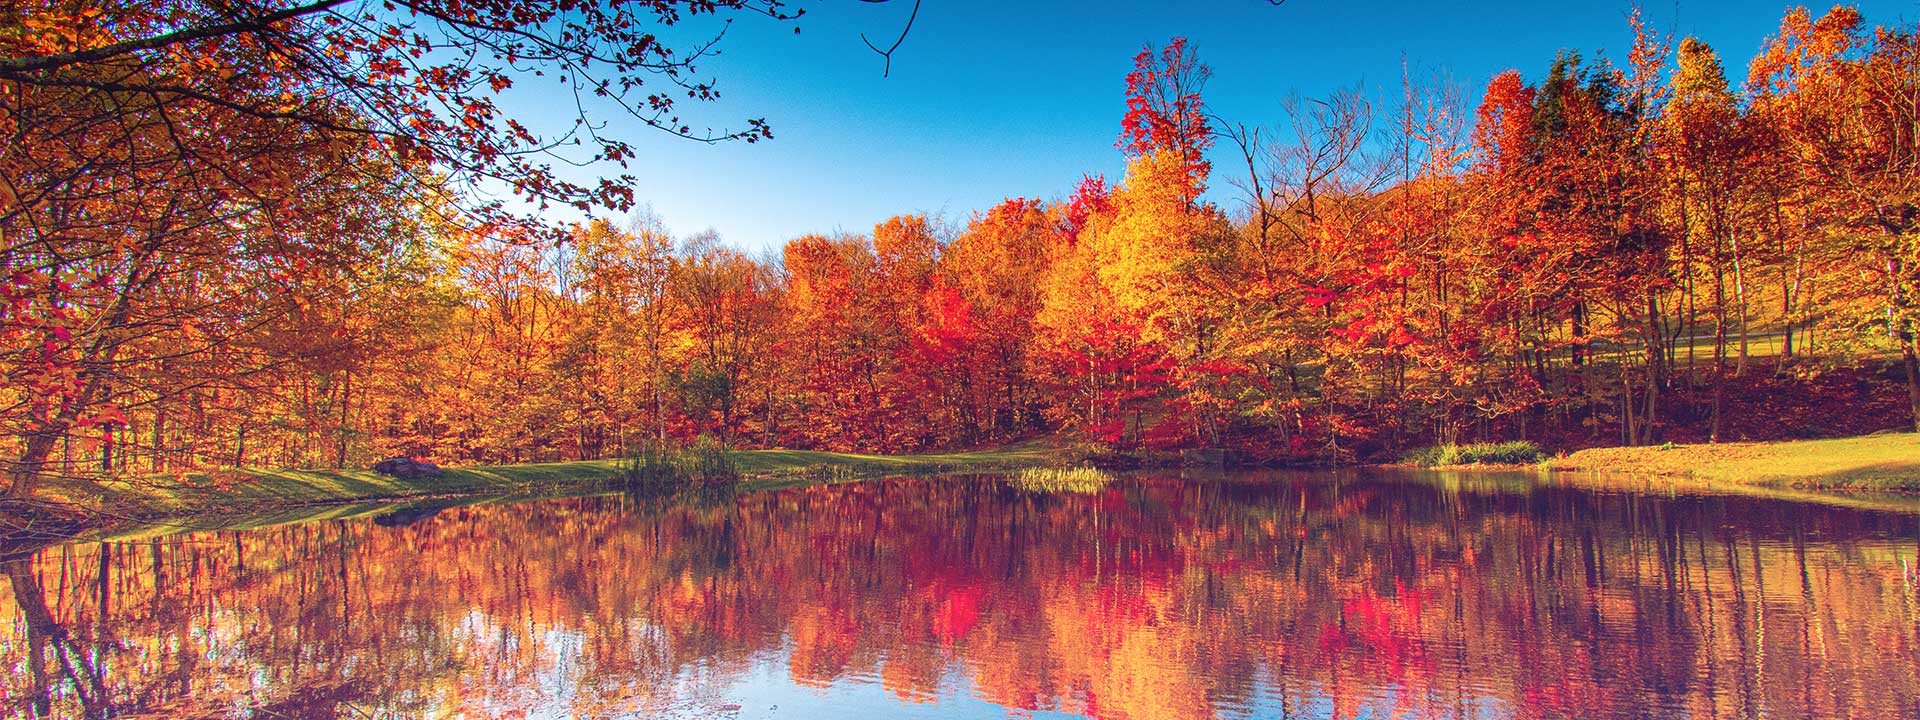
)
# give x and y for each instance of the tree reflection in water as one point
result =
(1292, 596)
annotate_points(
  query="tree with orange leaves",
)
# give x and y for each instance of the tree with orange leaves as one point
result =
(1846, 106)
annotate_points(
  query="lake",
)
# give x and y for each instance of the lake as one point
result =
(1359, 594)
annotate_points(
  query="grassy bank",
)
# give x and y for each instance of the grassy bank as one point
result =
(1888, 462)
(249, 491)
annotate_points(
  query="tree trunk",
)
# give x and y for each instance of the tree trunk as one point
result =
(659, 404)
(1629, 432)
(346, 405)
(154, 458)
(1659, 359)
(1740, 299)
(1578, 341)
(1719, 340)
(25, 475)
(1901, 323)
(1913, 375)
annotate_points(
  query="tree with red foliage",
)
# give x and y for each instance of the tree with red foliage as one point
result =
(1165, 112)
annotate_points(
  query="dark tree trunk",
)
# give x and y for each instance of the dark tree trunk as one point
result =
(27, 471)
(346, 405)
(1913, 376)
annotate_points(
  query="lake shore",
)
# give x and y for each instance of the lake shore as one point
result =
(1877, 463)
(1888, 463)
(80, 504)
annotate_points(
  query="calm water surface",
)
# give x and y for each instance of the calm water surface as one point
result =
(1381, 596)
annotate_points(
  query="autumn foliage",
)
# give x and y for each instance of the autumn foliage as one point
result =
(263, 247)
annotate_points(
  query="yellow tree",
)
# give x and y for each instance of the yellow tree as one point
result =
(1707, 162)
(1847, 105)
(1141, 270)
(620, 348)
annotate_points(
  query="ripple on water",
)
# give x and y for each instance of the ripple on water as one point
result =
(1300, 595)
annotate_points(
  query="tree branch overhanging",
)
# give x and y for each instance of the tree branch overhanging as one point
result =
(16, 67)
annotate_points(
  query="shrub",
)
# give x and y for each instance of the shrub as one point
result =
(1081, 480)
(1424, 457)
(1516, 452)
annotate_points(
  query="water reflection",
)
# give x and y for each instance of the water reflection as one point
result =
(1302, 596)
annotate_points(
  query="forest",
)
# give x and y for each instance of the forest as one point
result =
(251, 237)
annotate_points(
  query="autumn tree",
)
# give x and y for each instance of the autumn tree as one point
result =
(164, 160)
(727, 305)
(997, 266)
(1846, 105)
(1165, 112)
(1707, 156)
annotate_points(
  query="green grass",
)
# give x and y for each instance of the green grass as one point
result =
(1888, 462)
(1767, 344)
(1517, 452)
(256, 491)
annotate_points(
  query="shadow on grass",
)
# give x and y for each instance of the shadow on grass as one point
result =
(1886, 477)
(249, 498)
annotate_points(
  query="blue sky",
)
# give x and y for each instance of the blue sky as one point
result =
(991, 99)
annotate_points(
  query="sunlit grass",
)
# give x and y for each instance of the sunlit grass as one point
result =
(1875, 462)
(255, 490)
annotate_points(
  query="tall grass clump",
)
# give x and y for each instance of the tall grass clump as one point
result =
(1081, 480)
(1515, 452)
(703, 461)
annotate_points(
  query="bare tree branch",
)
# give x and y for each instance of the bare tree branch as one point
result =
(887, 69)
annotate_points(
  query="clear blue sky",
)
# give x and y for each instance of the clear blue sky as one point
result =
(991, 99)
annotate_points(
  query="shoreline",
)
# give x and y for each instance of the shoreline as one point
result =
(1879, 464)
(79, 507)
(1886, 464)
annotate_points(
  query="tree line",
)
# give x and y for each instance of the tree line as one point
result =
(265, 248)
